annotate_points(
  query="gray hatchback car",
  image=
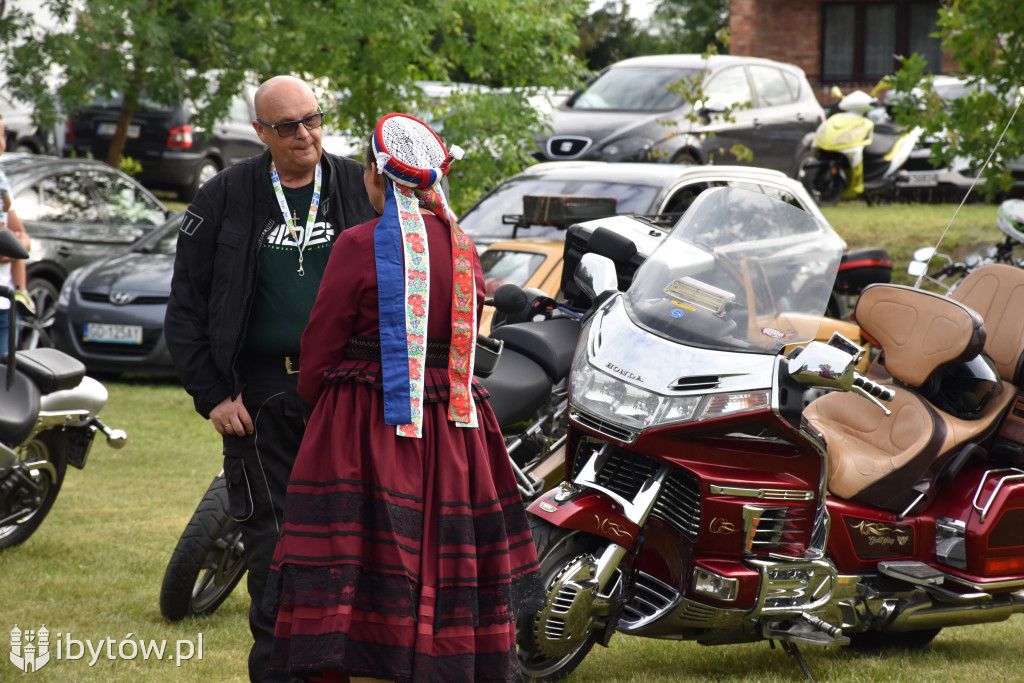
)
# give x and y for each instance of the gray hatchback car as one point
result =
(631, 111)
(76, 211)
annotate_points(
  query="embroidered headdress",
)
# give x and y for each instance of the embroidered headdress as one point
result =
(414, 159)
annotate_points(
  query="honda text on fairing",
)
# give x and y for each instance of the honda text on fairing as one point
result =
(857, 151)
(705, 500)
(49, 415)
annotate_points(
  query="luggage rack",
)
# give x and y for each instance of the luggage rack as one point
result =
(1008, 474)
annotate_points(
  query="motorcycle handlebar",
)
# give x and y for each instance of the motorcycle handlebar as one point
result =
(871, 388)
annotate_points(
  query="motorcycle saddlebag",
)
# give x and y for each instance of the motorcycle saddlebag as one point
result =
(862, 267)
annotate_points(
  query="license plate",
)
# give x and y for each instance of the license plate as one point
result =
(113, 334)
(920, 180)
(110, 128)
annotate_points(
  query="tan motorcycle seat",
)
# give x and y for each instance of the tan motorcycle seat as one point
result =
(996, 292)
(918, 331)
(878, 460)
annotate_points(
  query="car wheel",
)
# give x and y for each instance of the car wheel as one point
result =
(34, 330)
(207, 169)
(685, 157)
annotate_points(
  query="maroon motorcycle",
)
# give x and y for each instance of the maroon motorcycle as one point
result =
(705, 500)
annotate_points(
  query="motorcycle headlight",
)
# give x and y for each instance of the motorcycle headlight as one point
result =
(634, 148)
(609, 398)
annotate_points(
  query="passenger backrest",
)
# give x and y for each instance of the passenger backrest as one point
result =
(996, 292)
(918, 331)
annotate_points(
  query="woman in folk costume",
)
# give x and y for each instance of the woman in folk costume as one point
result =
(405, 551)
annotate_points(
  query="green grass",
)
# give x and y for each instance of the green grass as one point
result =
(902, 228)
(95, 566)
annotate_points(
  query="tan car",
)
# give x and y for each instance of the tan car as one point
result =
(529, 263)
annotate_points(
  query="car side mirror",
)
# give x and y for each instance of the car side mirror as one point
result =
(706, 109)
(596, 275)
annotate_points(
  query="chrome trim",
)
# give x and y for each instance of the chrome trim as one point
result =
(635, 510)
(1016, 474)
(762, 494)
(817, 586)
(587, 144)
(651, 599)
(602, 427)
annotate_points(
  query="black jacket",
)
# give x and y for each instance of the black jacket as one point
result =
(215, 268)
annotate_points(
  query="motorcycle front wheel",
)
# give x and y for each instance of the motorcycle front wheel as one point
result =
(557, 549)
(208, 561)
(38, 494)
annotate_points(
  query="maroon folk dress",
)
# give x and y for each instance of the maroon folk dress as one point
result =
(402, 559)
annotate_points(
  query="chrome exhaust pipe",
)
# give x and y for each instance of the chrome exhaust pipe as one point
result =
(929, 615)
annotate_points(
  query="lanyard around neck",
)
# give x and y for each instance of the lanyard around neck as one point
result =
(275, 179)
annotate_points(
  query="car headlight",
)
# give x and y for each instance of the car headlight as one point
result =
(64, 298)
(609, 398)
(633, 148)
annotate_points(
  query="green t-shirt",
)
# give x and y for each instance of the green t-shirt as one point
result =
(284, 299)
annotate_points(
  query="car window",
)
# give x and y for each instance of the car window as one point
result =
(125, 202)
(67, 198)
(771, 87)
(486, 217)
(502, 266)
(793, 81)
(730, 87)
(634, 89)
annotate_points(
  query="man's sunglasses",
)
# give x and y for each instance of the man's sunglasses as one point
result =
(286, 129)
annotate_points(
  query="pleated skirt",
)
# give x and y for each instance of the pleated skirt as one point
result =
(402, 559)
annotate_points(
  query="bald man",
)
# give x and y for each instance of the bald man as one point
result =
(252, 248)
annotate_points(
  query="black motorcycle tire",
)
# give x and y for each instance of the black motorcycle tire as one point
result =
(208, 561)
(555, 547)
(52, 446)
(825, 186)
(880, 641)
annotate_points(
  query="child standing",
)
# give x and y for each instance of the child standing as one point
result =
(12, 271)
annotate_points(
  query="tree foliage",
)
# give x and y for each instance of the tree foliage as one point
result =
(985, 38)
(369, 54)
(165, 51)
(686, 26)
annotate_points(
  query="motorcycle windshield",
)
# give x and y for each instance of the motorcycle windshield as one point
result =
(740, 271)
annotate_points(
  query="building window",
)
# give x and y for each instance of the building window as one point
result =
(861, 41)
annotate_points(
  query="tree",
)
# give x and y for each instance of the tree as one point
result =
(609, 35)
(368, 54)
(374, 54)
(166, 51)
(985, 39)
(686, 26)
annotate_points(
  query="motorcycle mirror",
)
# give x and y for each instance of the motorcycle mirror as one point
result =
(10, 246)
(924, 254)
(596, 275)
(917, 268)
(510, 298)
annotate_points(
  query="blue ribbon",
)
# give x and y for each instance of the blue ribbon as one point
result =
(394, 349)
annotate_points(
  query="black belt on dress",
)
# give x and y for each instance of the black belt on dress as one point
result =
(368, 348)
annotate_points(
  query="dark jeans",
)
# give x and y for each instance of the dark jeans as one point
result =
(257, 468)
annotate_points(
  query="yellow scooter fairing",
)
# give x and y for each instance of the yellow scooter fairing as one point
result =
(844, 131)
